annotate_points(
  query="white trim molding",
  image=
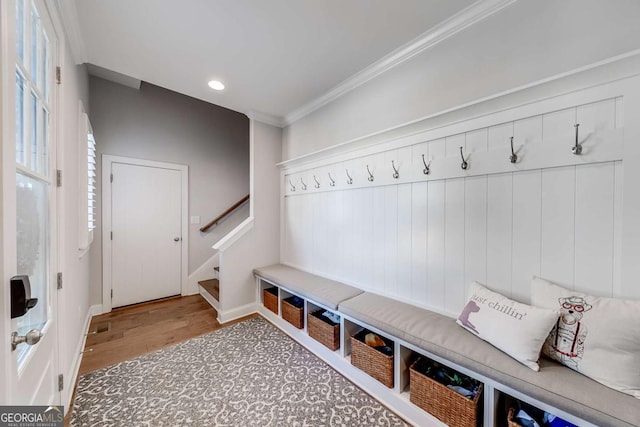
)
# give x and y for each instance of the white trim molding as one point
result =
(107, 161)
(209, 298)
(234, 235)
(606, 71)
(75, 365)
(471, 15)
(266, 118)
(236, 313)
(71, 22)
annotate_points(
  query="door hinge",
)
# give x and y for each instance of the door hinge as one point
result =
(58, 178)
(111, 293)
(60, 382)
(58, 75)
(111, 178)
(59, 280)
(111, 235)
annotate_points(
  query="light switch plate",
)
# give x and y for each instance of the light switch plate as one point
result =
(195, 219)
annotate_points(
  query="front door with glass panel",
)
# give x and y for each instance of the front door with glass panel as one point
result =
(34, 370)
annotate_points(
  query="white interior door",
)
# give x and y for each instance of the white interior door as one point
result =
(29, 199)
(146, 219)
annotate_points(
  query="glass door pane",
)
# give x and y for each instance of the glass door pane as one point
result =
(32, 229)
(21, 158)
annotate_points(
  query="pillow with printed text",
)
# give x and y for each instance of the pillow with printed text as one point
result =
(515, 328)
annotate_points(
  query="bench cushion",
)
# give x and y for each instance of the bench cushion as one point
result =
(323, 291)
(554, 384)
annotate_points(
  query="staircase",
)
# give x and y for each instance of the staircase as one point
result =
(210, 289)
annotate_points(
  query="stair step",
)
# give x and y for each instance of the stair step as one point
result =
(212, 286)
(216, 269)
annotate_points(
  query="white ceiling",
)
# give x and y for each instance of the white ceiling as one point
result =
(273, 56)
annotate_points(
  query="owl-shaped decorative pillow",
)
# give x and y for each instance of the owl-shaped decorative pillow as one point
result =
(596, 336)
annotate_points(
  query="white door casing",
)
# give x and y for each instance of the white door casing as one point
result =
(28, 214)
(143, 261)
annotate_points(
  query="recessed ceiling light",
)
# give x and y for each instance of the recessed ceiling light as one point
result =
(216, 85)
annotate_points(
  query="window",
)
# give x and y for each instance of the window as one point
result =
(87, 179)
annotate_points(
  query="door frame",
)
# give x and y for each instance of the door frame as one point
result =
(8, 171)
(107, 162)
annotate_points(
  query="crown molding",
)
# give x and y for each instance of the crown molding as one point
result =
(619, 67)
(472, 14)
(266, 118)
(71, 22)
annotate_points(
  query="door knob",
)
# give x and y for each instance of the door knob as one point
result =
(32, 338)
(176, 239)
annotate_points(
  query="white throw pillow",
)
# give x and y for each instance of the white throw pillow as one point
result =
(596, 336)
(515, 328)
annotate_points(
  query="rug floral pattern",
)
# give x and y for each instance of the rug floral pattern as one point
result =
(248, 374)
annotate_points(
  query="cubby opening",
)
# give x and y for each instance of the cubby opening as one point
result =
(373, 354)
(293, 309)
(512, 412)
(269, 296)
(451, 396)
(322, 328)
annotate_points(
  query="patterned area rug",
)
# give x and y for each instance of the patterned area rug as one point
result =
(248, 374)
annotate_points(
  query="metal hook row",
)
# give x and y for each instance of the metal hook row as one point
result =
(513, 158)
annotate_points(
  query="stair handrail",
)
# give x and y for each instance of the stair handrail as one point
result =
(226, 213)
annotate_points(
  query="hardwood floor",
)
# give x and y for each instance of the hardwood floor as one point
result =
(132, 331)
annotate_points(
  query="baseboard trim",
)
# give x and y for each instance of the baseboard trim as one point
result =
(75, 366)
(236, 313)
(96, 309)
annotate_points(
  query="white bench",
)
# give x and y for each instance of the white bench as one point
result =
(554, 388)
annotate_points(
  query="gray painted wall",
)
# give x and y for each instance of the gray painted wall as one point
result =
(528, 41)
(157, 124)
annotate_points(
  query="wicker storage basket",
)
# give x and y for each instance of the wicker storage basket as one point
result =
(270, 299)
(372, 361)
(293, 314)
(323, 332)
(445, 404)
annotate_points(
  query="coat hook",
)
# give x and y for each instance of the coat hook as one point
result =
(426, 169)
(464, 165)
(350, 180)
(370, 178)
(333, 182)
(514, 157)
(396, 174)
(293, 187)
(576, 149)
(304, 186)
(317, 182)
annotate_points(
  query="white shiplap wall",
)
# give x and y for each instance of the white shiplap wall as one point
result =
(425, 238)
